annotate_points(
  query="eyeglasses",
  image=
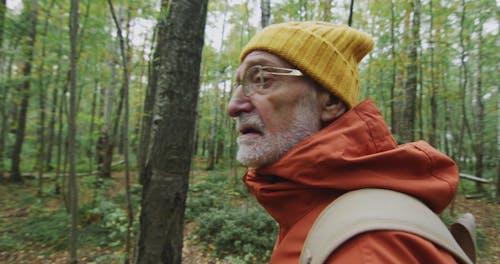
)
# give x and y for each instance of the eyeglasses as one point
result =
(258, 78)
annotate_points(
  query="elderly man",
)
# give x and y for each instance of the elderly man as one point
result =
(307, 140)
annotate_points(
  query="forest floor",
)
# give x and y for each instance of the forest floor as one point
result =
(14, 208)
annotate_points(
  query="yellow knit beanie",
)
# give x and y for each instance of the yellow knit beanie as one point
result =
(328, 53)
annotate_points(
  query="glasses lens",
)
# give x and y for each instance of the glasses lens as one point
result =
(253, 80)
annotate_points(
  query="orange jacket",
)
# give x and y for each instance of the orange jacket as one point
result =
(356, 151)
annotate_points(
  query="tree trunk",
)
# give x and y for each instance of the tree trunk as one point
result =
(498, 145)
(265, 7)
(125, 85)
(327, 10)
(212, 157)
(351, 13)
(3, 90)
(3, 127)
(479, 141)
(73, 34)
(3, 8)
(53, 111)
(394, 127)
(147, 115)
(213, 129)
(433, 86)
(43, 82)
(93, 107)
(15, 173)
(165, 186)
(409, 112)
(60, 148)
(498, 136)
(463, 80)
(105, 144)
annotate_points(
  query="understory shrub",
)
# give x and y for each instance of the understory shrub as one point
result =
(216, 191)
(245, 232)
(229, 224)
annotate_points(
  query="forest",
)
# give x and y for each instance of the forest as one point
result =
(115, 142)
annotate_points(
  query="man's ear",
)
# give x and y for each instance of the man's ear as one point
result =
(332, 108)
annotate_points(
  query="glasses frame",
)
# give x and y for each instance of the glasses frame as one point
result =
(251, 88)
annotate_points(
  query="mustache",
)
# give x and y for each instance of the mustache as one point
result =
(251, 120)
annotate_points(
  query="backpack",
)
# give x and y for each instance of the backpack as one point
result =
(379, 209)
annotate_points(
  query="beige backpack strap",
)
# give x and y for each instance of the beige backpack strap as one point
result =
(365, 210)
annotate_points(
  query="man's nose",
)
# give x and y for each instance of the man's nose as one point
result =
(239, 103)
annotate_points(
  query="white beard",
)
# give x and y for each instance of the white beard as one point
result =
(267, 148)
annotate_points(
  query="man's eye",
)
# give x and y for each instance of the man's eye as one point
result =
(267, 76)
(261, 78)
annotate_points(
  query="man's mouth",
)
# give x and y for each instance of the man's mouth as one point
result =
(249, 130)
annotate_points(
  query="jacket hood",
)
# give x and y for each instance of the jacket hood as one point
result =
(356, 151)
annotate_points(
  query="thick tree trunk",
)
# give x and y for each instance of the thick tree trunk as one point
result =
(165, 185)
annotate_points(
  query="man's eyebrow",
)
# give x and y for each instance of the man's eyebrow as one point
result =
(261, 61)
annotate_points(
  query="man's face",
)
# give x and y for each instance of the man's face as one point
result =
(272, 123)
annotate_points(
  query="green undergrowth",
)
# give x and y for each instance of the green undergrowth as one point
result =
(229, 224)
(29, 221)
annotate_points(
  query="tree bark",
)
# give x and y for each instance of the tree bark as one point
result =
(105, 144)
(43, 82)
(3, 8)
(327, 10)
(15, 173)
(147, 114)
(394, 127)
(498, 145)
(265, 7)
(409, 113)
(213, 129)
(433, 86)
(463, 81)
(498, 136)
(165, 184)
(351, 13)
(123, 52)
(73, 35)
(479, 141)
(3, 89)
(53, 109)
